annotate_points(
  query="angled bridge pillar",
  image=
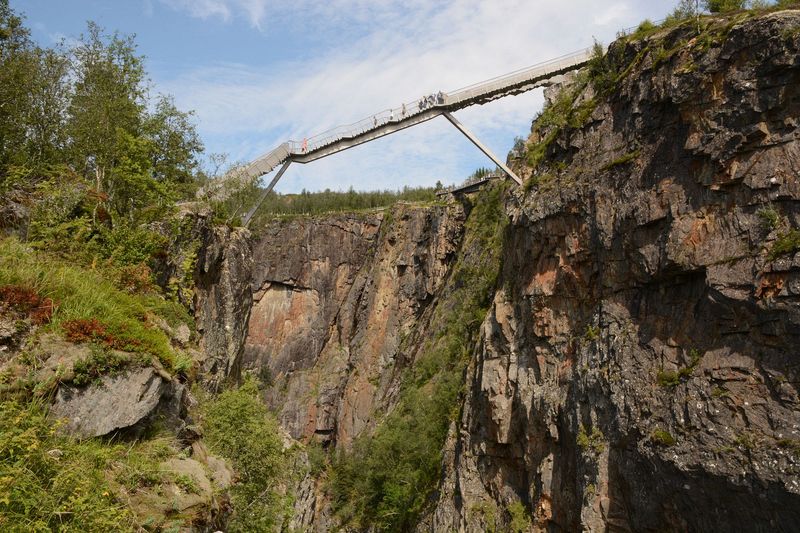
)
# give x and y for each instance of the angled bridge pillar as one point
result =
(249, 216)
(482, 147)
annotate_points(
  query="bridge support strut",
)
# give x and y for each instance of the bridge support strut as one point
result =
(469, 135)
(249, 216)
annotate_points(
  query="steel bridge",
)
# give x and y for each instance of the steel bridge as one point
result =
(410, 114)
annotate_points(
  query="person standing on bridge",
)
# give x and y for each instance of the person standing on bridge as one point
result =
(403, 111)
(374, 121)
(391, 115)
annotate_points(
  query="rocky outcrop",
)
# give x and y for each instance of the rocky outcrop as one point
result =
(208, 268)
(333, 298)
(222, 302)
(638, 371)
(120, 402)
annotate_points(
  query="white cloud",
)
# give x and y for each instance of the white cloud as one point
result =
(202, 8)
(383, 52)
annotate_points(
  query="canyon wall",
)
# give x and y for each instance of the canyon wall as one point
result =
(638, 367)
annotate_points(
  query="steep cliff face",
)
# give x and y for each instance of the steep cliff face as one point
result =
(333, 298)
(208, 268)
(639, 370)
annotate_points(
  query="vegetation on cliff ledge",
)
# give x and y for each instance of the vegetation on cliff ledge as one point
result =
(239, 428)
(387, 479)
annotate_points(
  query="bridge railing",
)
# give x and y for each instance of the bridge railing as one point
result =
(364, 125)
(434, 100)
(519, 76)
(270, 160)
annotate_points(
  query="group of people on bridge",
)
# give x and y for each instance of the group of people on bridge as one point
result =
(424, 103)
(430, 100)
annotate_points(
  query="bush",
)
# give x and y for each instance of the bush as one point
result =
(724, 6)
(786, 243)
(238, 426)
(770, 218)
(52, 483)
(662, 438)
(98, 364)
(83, 296)
(593, 441)
(520, 518)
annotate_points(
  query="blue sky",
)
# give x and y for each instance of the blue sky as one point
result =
(258, 72)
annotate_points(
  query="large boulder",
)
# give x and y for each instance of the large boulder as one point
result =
(119, 402)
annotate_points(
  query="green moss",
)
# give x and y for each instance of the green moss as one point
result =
(662, 438)
(622, 160)
(786, 243)
(669, 378)
(592, 332)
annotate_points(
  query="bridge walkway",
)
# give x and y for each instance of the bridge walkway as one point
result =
(411, 114)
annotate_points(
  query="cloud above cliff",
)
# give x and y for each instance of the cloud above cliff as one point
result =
(346, 59)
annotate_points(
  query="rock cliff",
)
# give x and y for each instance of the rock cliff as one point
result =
(333, 298)
(637, 368)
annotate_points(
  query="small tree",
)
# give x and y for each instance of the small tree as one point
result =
(175, 145)
(724, 6)
(109, 96)
(686, 9)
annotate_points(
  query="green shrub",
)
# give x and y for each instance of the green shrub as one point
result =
(786, 243)
(238, 426)
(52, 482)
(646, 27)
(520, 518)
(662, 438)
(770, 218)
(99, 363)
(668, 378)
(724, 6)
(593, 441)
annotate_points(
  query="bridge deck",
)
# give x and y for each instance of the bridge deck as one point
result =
(410, 114)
